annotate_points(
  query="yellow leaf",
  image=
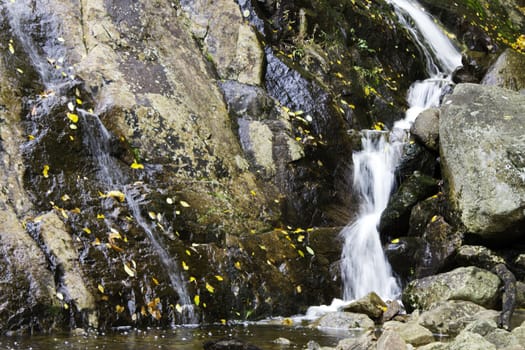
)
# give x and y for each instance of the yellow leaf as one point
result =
(300, 252)
(152, 215)
(129, 270)
(184, 204)
(119, 308)
(262, 247)
(185, 267)
(100, 288)
(237, 265)
(78, 101)
(155, 281)
(136, 165)
(310, 250)
(100, 216)
(86, 230)
(73, 117)
(60, 296)
(210, 288)
(19, 70)
(253, 193)
(197, 300)
(299, 289)
(117, 195)
(11, 48)
(434, 218)
(395, 241)
(192, 279)
(219, 278)
(178, 308)
(300, 238)
(45, 171)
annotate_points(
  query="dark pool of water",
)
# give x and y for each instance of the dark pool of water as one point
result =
(183, 338)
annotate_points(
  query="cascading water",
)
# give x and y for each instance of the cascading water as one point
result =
(364, 267)
(47, 56)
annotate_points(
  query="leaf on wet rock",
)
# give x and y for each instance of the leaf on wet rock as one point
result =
(136, 165)
(210, 288)
(100, 288)
(178, 308)
(129, 270)
(185, 266)
(118, 195)
(73, 117)
(11, 47)
(310, 250)
(219, 278)
(184, 204)
(119, 308)
(197, 299)
(45, 171)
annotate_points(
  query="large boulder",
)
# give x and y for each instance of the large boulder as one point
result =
(465, 283)
(482, 138)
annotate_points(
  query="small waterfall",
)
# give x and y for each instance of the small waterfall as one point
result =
(37, 33)
(364, 267)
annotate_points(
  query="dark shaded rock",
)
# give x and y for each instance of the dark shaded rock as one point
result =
(371, 305)
(418, 158)
(426, 129)
(483, 163)
(402, 253)
(441, 241)
(469, 72)
(395, 218)
(465, 283)
(423, 212)
(228, 344)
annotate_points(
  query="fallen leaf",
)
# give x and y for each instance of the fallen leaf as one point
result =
(197, 300)
(45, 171)
(129, 270)
(210, 288)
(184, 204)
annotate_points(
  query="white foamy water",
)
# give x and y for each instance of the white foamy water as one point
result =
(364, 267)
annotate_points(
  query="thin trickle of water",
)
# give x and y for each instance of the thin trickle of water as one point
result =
(364, 267)
(37, 33)
(97, 138)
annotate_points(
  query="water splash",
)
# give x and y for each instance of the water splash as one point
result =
(364, 267)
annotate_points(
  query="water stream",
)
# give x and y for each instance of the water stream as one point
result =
(37, 32)
(364, 267)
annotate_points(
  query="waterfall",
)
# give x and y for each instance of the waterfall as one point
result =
(37, 33)
(364, 267)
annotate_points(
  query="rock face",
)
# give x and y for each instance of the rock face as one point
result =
(482, 138)
(468, 283)
(507, 72)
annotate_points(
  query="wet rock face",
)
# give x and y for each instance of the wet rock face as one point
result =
(507, 72)
(481, 143)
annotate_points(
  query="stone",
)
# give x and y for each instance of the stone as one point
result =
(434, 346)
(471, 341)
(482, 327)
(426, 129)
(502, 338)
(519, 333)
(507, 72)
(451, 317)
(480, 256)
(465, 283)
(390, 340)
(371, 305)
(482, 138)
(441, 241)
(345, 321)
(395, 218)
(65, 257)
(365, 341)
(411, 332)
